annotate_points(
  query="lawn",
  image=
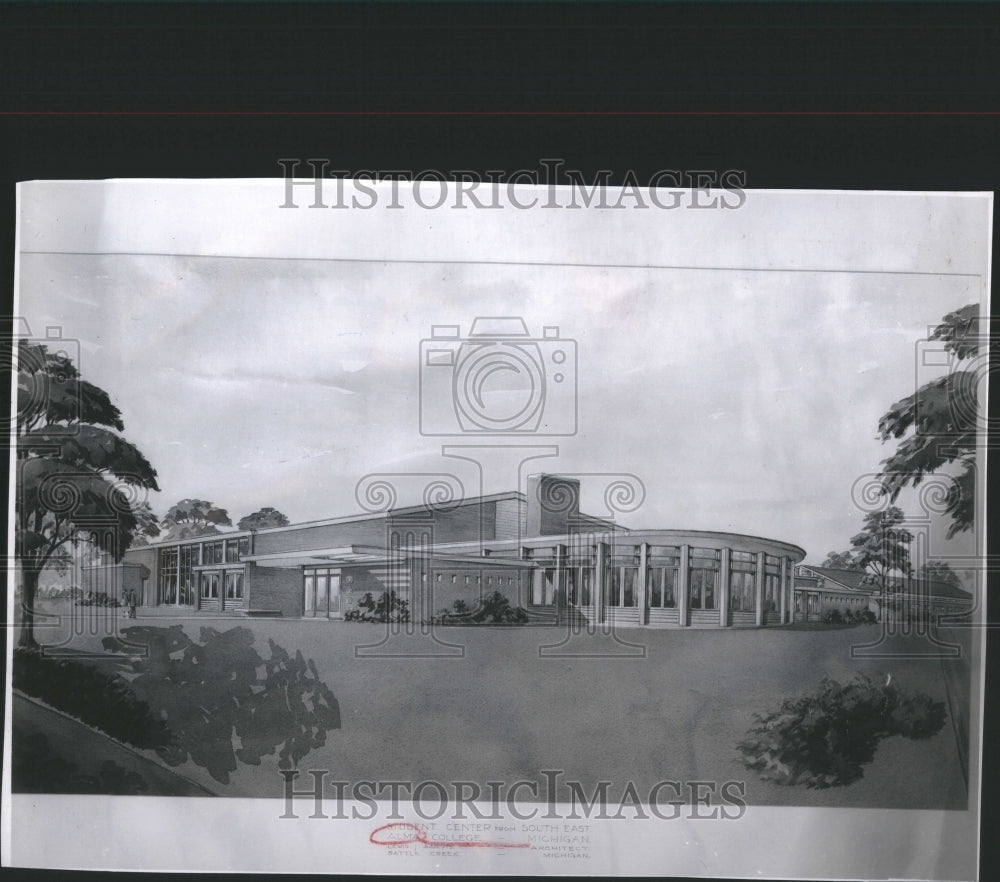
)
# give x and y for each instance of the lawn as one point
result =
(498, 709)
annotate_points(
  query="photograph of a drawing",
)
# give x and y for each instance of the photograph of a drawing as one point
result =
(628, 535)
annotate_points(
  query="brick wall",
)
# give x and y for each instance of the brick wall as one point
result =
(455, 525)
(509, 518)
(277, 588)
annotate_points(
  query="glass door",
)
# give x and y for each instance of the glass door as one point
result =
(209, 584)
(321, 594)
(334, 595)
(234, 589)
(544, 587)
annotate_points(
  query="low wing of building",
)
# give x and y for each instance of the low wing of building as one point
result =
(549, 559)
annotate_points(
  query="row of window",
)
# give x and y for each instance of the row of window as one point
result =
(217, 551)
(230, 583)
(662, 588)
(833, 599)
(177, 578)
(455, 579)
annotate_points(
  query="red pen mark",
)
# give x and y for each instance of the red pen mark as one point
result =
(411, 833)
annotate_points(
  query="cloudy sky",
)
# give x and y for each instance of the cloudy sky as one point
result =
(273, 358)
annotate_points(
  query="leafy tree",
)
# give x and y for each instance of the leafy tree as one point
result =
(75, 476)
(940, 571)
(194, 517)
(146, 527)
(883, 546)
(265, 517)
(937, 424)
(841, 560)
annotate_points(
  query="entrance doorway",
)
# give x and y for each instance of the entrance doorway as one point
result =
(543, 587)
(321, 594)
(220, 589)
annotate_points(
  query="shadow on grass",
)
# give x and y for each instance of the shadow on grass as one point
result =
(824, 739)
(36, 768)
(222, 702)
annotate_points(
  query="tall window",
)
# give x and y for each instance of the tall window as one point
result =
(703, 578)
(620, 584)
(236, 548)
(212, 553)
(189, 559)
(661, 577)
(167, 581)
(209, 586)
(234, 585)
(772, 583)
(742, 591)
(579, 580)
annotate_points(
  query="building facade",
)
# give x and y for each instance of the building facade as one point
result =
(822, 590)
(537, 549)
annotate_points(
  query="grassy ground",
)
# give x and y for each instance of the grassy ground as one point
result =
(498, 707)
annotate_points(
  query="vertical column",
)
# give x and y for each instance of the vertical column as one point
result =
(724, 588)
(600, 565)
(560, 587)
(683, 578)
(784, 590)
(760, 589)
(640, 580)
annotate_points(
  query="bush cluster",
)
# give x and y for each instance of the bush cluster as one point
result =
(862, 617)
(55, 592)
(101, 598)
(494, 609)
(824, 739)
(388, 608)
(104, 701)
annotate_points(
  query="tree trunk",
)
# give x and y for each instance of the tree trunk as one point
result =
(29, 589)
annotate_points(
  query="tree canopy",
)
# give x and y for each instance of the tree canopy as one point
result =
(76, 477)
(262, 518)
(940, 571)
(841, 560)
(194, 517)
(883, 546)
(936, 426)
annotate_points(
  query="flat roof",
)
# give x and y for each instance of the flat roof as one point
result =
(345, 519)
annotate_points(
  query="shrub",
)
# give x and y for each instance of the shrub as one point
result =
(104, 701)
(493, 609)
(459, 607)
(833, 617)
(496, 609)
(55, 592)
(849, 617)
(101, 598)
(866, 617)
(823, 740)
(388, 608)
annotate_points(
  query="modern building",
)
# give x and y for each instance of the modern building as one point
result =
(535, 548)
(818, 590)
